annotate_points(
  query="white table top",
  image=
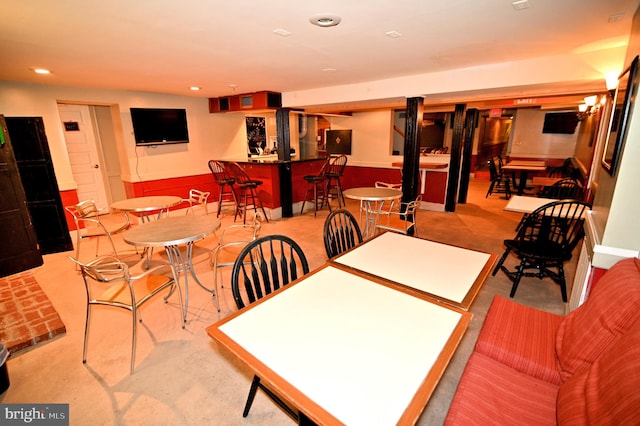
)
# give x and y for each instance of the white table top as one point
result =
(523, 204)
(343, 348)
(372, 193)
(451, 274)
(146, 204)
(171, 231)
(525, 165)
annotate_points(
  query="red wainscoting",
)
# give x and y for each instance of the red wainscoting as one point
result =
(69, 198)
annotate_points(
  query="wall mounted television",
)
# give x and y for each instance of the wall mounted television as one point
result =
(159, 126)
(560, 122)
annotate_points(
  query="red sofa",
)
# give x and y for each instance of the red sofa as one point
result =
(531, 367)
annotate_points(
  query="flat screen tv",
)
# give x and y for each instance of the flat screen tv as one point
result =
(560, 122)
(159, 126)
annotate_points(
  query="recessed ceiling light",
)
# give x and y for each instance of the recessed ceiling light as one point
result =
(325, 20)
(329, 70)
(520, 4)
(282, 32)
(393, 34)
(616, 17)
(41, 71)
(194, 88)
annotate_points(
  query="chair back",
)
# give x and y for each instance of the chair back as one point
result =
(554, 229)
(563, 189)
(264, 266)
(219, 171)
(493, 170)
(197, 200)
(341, 232)
(82, 210)
(337, 165)
(380, 184)
(238, 173)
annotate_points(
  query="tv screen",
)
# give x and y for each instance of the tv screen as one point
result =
(560, 122)
(157, 126)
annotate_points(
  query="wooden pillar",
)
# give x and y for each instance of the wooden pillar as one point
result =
(470, 126)
(284, 159)
(454, 162)
(411, 160)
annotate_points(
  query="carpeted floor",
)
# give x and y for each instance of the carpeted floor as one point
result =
(27, 317)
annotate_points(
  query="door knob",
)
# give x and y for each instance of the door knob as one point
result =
(95, 166)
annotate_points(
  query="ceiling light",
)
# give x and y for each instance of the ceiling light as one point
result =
(393, 34)
(582, 107)
(616, 17)
(41, 71)
(520, 4)
(611, 79)
(194, 88)
(282, 32)
(591, 100)
(329, 70)
(325, 20)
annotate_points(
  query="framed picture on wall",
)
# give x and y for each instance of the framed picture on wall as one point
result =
(339, 142)
(623, 101)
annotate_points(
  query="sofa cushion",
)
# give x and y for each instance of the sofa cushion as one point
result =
(607, 391)
(490, 392)
(588, 331)
(522, 338)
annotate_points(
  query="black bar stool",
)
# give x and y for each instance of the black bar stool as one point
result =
(248, 189)
(225, 182)
(336, 170)
(318, 187)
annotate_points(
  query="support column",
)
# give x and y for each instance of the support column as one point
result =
(284, 159)
(470, 126)
(454, 162)
(411, 159)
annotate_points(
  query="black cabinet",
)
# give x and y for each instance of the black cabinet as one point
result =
(33, 157)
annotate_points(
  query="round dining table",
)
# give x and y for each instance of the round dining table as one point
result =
(172, 233)
(147, 205)
(373, 199)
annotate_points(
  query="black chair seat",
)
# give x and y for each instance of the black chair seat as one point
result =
(315, 179)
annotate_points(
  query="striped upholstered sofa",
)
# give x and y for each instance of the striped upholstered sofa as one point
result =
(531, 367)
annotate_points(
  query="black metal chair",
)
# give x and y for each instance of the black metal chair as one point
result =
(248, 191)
(341, 232)
(318, 187)
(500, 182)
(264, 266)
(225, 183)
(546, 240)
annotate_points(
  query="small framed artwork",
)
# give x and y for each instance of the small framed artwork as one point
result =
(338, 142)
(623, 101)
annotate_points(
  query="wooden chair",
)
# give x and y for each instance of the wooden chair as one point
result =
(317, 185)
(341, 232)
(225, 184)
(500, 182)
(124, 291)
(545, 240)
(264, 266)
(247, 191)
(334, 185)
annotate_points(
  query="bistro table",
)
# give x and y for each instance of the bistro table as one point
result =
(342, 348)
(522, 204)
(524, 167)
(447, 273)
(373, 199)
(172, 232)
(147, 205)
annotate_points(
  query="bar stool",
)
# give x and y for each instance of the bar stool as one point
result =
(248, 188)
(317, 185)
(336, 170)
(225, 183)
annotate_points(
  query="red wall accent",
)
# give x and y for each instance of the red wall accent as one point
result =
(69, 198)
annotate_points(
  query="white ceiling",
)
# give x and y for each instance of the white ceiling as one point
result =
(168, 45)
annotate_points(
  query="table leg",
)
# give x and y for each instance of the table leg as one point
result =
(524, 175)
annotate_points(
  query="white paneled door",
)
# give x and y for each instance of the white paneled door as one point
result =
(84, 155)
